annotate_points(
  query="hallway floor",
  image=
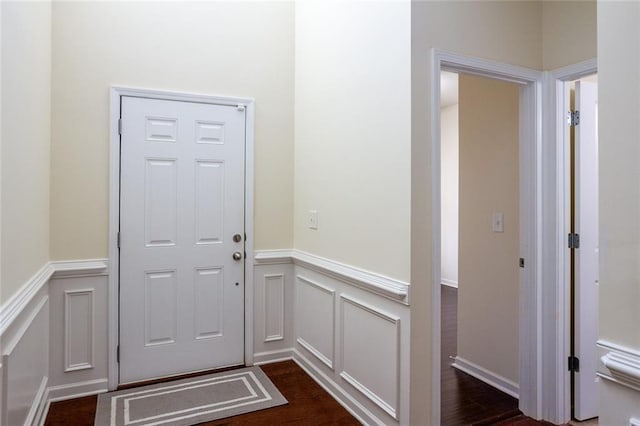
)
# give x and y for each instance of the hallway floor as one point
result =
(309, 404)
(465, 399)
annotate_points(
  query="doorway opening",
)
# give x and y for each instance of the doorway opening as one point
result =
(530, 231)
(581, 130)
(166, 316)
(480, 219)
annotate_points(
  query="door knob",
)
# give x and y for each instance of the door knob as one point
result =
(237, 255)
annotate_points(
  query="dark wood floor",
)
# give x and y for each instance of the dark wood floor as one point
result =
(465, 399)
(309, 404)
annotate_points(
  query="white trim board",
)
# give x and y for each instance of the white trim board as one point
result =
(370, 281)
(531, 235)
(449, 283)
(38, 411)
(556, 293)
(13, 307)
(619, 364)
(489, 377)
(270, 357)
(114, 208)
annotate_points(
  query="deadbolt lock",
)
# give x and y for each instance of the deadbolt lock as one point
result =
(237, 238)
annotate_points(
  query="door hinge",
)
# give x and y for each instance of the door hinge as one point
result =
(574, 241)
(573, 118)
(521, 263)
(118, 354)
(120, 126)
(118, 238)
(573, 364)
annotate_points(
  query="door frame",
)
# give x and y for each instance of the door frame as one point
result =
(116, 92)
(531, 231)
(558, 397)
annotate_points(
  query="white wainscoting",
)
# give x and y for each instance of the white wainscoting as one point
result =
(78, 330)
(619, 374)
(54, 334)
(53, 337)
(350, 331)
(273, 308)
(25, 366)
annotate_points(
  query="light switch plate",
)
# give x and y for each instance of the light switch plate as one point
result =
(497, 222)
(312, 220)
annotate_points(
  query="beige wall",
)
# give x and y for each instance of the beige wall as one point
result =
(568, 32)
(26, 121)
(352, 115)
(223, 48)
(449, 153)
(488, 287)
(504, 31)
(619, 136)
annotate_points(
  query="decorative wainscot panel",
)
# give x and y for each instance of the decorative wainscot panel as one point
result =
(352, 336)
(370, 342)
(315, 323)
(346, 327)
(78, 330)
(273, 306)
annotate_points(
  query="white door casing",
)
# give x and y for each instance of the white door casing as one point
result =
(586, 256)
(531, 231)
(182, 201)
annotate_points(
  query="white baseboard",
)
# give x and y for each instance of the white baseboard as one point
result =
(77, 390)
(37, 412)
(269, 357)
(356, 409)
(492, 379)
(449, 283)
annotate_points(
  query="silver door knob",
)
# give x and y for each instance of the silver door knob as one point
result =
(237, 255)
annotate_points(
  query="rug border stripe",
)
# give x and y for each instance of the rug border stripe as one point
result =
(255, 380)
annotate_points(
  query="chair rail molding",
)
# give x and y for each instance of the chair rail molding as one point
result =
(379, 284)
(619, 364)
(79, 268)
(12, 308)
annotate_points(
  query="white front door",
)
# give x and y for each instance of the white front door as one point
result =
(181, 222)
(586, 267)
